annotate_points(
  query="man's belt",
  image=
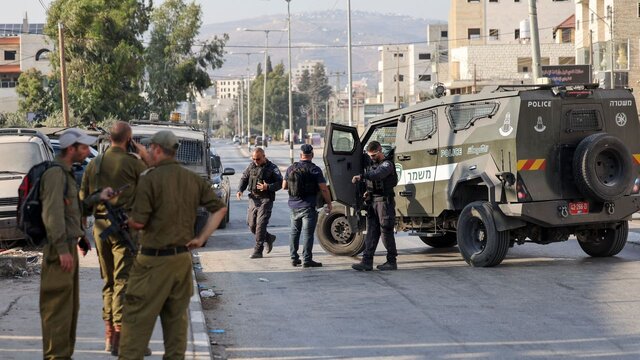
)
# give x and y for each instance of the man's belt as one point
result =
(163, 252)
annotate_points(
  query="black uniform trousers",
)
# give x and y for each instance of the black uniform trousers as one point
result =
(258, 217)
(380, 222)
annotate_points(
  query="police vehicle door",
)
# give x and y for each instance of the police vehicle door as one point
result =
(343, 161)
(416, 162)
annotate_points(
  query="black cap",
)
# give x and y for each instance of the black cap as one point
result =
(306, 149)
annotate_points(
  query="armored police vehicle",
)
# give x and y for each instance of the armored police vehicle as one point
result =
(510, 165)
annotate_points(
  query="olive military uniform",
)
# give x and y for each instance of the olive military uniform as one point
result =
(59, 293)
(260, 202)
(160, 282)
(380, 179)
(115, 168)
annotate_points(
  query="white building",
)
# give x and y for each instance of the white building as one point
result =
(228, 88)
(305, 65)
(415, 65)
(22, 47)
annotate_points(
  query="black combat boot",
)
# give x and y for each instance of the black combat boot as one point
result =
(257, 252)
(270, 239)
(388, 266)
(362, 266)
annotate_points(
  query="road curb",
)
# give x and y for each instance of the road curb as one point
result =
(199, 347)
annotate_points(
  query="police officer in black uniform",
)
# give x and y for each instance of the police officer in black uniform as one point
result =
(380, 177)
(262, 178)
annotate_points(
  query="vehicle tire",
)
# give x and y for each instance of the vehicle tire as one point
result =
(603, 167)
(201, 220)
(605, 242)
(480, 243)
(449, 239)
(227, 217)
(335, 234)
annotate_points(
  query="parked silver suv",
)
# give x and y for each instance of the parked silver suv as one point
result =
(22, 148)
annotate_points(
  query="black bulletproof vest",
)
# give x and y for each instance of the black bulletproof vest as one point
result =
(382, 187)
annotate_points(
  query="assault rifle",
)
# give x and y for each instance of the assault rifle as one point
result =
(119, 226)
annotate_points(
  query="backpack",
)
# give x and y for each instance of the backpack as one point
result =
(29, 217)
(301, 182)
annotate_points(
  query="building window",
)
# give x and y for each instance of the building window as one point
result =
(424, 77)
(638, 8)
(516, 34)
(566, 36)
(473, 1)
(493, 1)
(473, 34)
(42, 54)
(398, 55)
(424, 56)
(493, 34)
(525, 64)
(445, 33)
(401, 78)
(10, 55)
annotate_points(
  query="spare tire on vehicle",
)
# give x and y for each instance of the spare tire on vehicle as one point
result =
(603, 168)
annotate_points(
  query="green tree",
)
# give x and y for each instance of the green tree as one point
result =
(175, 71)
(103, 54)
(38, 93)
(269, 66)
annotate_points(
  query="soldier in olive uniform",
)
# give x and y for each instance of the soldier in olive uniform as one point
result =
(116, 169)
(160, 281)
(380, 177)
(262, 178)
(61, 215)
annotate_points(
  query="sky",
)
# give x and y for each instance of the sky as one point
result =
(217, 11)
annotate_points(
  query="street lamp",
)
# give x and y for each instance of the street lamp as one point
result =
(248, 89)
(290, 92)
(264, 90)
(349, 65)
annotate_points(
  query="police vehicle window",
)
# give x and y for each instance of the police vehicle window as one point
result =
(461, 116)
(189, 152)
(386, 136)
(342, 142)
(421, 125)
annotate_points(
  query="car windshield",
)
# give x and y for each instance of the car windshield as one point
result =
(23, 156)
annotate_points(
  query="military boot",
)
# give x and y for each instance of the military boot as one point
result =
(108, 333)
(388, 266)
(362, 266)
(257, 252)
(270, 239)
(115, 340)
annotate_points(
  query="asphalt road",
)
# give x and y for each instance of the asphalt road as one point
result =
(542, 302)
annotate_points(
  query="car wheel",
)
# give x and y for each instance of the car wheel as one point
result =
(225, 221)
(479, 241)
(603, 167)
(447, 240)
(336, 235)
(604, 242)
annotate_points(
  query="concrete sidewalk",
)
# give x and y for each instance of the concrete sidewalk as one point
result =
(20, 331)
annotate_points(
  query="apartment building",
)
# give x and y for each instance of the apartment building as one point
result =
(489, 41)
(22, 46)
(603, 25)
(229, 88)
(305, 65)
(409, 71)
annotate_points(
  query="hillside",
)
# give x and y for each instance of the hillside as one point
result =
(318, 35)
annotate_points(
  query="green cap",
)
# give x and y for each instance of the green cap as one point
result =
(164, 138)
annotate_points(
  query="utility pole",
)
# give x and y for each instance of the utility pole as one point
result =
(610, 15)
(535, 41)
(397, 53)
(591, 56)
(63, 76)
(349, 64)
(290, 90)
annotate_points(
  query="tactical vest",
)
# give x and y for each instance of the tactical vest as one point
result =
(256, 175)
(382, 187)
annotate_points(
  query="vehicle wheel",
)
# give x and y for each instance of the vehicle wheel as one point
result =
(227, 217)
(447, 240)
(603, 167)
(336, 235)
(480, 243)
(605, 242)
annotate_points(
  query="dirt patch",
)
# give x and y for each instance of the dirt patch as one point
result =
(19, 262)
